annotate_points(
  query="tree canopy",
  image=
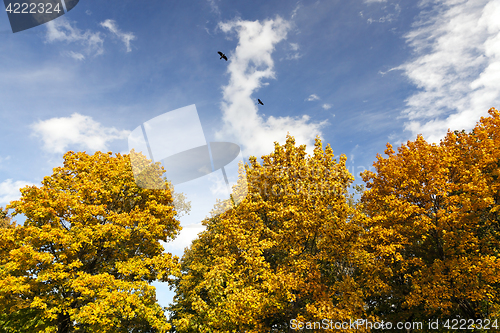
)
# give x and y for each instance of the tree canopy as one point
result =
(286, 252)
(433, 226)
(422, 243)
(90, 246)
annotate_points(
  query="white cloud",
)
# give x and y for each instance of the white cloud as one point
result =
(2, 159)
(250, 63)
(248, 66)
(218, 185)
(214, 7)
(456, 67)
(75, 55)
(371, 1)
(295, 10)
(326, 106)
(294, 56)
(390, 15)
(312, 97)
(125, 37)
(59, 133)
(9, 190)
(61, 30)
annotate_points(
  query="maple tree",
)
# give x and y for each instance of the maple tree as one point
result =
(433, 226)
(285, 255)
(85, 257)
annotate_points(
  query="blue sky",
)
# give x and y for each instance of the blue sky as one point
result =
(358, 73)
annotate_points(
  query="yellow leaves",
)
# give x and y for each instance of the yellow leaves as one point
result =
(38, 303)
(89, 245)
(263, 260)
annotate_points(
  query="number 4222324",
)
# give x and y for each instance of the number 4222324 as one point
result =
(32, 8)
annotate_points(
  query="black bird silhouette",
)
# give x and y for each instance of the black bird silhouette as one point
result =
(222, 55)
(260, 102)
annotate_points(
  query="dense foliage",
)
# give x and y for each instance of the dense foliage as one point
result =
(87, 252)
(288, 251)
(421, 244)
(433, 226)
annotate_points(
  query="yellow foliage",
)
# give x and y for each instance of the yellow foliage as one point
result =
(88, 250)
(287, 251)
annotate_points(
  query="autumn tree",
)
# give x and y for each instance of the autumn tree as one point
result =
(90, 246)
(287, 254)
(433, 226)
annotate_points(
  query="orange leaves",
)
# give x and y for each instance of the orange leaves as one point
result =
(432, 219)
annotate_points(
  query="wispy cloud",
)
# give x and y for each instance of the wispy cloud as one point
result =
(75, 55)
(312, 97)
(295, 10)
(391, 13)
(57, 134)
(456, 66)
(294, 47)
(125, 37)
(61, 30)
(326, 106)
(35, 77)
(293, 56)
(353, 152)
(218, 186)
(9, 190)
(2, 159)
(248, 66)
(214, 7)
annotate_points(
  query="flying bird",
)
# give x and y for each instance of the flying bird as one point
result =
(260, 102)
(222, 55)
